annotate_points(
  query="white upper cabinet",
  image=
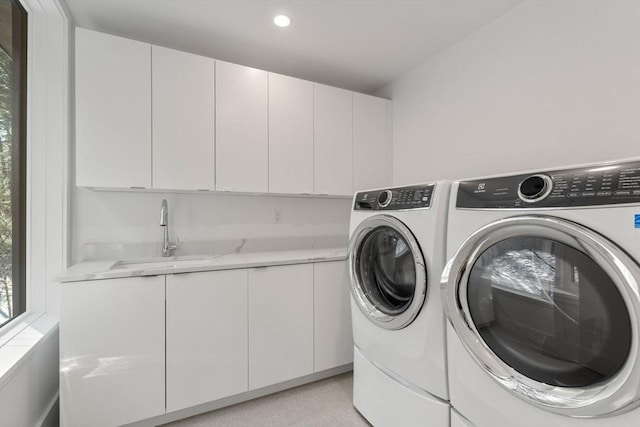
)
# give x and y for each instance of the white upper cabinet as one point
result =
(333, 169)
(183, 120)
(153, 117)
(290, 135)
(369, 142)
(241, 128)
(113, 111)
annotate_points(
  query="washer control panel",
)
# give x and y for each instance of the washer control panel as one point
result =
(399, 198)
(609, 184)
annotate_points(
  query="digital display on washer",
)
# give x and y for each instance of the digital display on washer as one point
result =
(613, 183)
(399, 198)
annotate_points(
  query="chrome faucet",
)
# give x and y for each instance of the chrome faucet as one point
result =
(167, 246)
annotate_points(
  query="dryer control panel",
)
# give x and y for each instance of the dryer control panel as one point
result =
(393, 199)
(608, 184)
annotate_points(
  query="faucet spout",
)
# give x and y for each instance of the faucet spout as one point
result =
(167, 246)
(164, 214)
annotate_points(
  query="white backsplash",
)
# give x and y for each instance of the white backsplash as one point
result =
(125, 224)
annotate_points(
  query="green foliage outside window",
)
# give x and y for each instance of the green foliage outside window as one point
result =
(6, 305)
(13, 90)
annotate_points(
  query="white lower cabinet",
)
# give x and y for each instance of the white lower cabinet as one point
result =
(280, 324)
(206, 337)
(227, 332)
(112, 350)
(333, 339)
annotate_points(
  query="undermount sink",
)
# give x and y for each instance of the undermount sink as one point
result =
(156, 264)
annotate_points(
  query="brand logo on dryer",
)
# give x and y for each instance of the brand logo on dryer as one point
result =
(481, 188)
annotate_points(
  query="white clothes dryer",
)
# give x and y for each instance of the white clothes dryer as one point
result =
(396, 256)
(542, 294)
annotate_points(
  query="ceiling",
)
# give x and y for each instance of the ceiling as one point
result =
(359, 45)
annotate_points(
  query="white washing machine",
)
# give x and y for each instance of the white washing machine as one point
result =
(542, 296)
(396, 256)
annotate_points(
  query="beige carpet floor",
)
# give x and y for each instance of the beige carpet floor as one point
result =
(323, 403)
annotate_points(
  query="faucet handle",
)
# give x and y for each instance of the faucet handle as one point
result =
(175, 245)
(172, 246)
(168, 247)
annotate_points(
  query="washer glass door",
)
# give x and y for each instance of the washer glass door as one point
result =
(387, 272)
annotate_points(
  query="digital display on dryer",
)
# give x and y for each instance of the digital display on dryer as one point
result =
(588, 186)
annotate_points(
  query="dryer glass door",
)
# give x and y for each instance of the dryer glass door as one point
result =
(387, 272)
(551, 310)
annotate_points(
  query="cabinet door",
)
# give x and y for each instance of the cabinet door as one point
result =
(333, 340)
(112, 351)
(241, 128)
(332, 145)
(369, 142)
(183, 120)
(280, 324)
(206, 337)
(113, 111)
(290, 135)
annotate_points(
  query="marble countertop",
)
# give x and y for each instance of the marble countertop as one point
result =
(111, 269)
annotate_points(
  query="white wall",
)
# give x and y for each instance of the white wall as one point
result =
(29, 396)
(547, 84)
(133, 217)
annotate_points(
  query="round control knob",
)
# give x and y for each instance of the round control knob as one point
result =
(535, 188)
(384, 198)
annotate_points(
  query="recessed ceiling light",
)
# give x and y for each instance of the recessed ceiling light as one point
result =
(282, 21)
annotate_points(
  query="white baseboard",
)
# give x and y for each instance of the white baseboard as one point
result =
(51, 416)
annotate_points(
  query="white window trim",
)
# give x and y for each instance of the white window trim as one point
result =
(47, 181)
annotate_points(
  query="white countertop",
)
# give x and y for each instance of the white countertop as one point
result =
(111, 269)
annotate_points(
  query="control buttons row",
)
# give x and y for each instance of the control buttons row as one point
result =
(596, 194)
(399, 199)
(410, 202)
(584, 186)
(536, 187)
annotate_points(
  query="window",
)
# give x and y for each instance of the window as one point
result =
(13, 112)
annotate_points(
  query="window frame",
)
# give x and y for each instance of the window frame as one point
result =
(19, 52)
(49, 119)
(48, 110)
